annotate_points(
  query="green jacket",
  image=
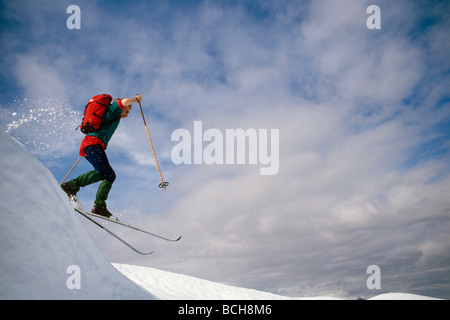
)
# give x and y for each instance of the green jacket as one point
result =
(103, 136)
(111, 114)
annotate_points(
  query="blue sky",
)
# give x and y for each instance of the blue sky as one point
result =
(363, 117)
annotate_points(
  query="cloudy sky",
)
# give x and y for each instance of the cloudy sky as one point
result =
(363, 118)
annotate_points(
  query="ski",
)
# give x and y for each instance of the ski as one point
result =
(112, 233)
(127, 225)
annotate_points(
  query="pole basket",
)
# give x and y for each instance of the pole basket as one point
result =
(163, 184)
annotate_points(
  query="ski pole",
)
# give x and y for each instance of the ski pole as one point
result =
(71, 170)
(163, 183)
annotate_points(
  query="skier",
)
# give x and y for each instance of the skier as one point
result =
(93, 149)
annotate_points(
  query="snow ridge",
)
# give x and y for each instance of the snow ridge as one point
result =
(41, 238)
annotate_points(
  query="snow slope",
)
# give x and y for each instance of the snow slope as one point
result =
(42, 240)
(401, 296)
(172, 286)
(43, 244)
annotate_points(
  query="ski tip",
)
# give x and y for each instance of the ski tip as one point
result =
(178, 238)
(140, 252)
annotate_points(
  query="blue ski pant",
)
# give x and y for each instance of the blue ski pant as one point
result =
(103, 171)
(97, 157)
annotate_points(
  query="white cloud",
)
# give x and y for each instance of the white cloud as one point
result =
(38, 78)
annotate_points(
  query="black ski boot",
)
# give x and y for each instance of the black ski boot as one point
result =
(69, 191)
(102, 211)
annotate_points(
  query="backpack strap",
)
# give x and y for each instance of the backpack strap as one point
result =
(110, 121)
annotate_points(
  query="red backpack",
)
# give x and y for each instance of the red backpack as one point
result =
(93, 113)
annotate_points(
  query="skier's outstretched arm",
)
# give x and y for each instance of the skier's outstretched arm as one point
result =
(128, 101)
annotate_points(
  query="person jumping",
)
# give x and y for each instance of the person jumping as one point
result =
(93, 149)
